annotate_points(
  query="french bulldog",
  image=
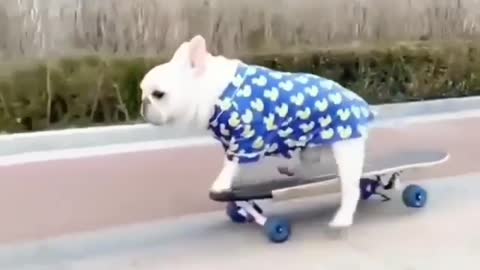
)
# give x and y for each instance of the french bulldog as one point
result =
(255, 112)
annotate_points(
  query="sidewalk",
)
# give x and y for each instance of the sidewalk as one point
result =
(444, 235)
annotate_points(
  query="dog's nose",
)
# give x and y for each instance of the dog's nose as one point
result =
(145, 103)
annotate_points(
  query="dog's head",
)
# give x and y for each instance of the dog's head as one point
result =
(170, 90)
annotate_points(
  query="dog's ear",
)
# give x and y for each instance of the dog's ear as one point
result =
(180, 53)
(198, 54)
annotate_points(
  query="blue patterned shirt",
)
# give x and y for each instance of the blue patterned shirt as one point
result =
(264, 112)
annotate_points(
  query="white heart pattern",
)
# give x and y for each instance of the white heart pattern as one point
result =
(325, 121)
(365, 112)
(286, 85)
(260, 81)
(321, 105)
(290, 143)
(298, 99)
(251, 71)
(344, 132)
(276, 75)
(326, 84)
(237, 81)
(223, 130)
(247, 117)
(344, 114)
(271, 94)
(335, 98)
(327, 134)
(312, 91)
(302, 79)
(285, 133)
(356, 111)
(271, 148)
(282, 110)
(307, 127)
(246, 91)
(257, 105)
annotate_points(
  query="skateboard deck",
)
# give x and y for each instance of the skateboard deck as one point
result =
(390, 164)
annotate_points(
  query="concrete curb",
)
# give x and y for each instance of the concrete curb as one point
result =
(94, 141)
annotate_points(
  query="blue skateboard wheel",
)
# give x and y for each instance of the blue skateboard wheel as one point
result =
(414, 196)
(277, 230)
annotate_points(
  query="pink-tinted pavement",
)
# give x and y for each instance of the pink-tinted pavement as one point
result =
(46, 199)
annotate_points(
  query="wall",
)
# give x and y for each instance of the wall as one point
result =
(39, 28)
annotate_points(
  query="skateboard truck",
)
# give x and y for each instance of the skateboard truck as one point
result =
(369, 186)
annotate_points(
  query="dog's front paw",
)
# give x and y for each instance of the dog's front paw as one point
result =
(219, 189)
(220, 186)
(224, 180)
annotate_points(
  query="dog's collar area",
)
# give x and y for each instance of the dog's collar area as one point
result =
(229, 93)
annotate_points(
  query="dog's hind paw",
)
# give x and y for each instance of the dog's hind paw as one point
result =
(285, 171)
(341, 219)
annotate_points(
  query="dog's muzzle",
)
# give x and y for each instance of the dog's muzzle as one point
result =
(145, 103)
(146, 113)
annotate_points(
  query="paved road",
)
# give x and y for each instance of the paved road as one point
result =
(65, 196)
(444, 235)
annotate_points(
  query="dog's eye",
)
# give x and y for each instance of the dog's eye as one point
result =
(158, 94)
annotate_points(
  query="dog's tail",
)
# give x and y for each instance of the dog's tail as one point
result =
(374, 113)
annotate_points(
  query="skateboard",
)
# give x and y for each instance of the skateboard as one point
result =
(379, 175)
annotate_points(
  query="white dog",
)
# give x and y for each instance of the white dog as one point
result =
(255, 112)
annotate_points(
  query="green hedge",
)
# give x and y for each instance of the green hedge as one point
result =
(93, 90)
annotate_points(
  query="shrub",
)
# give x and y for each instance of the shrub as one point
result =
(94, 90)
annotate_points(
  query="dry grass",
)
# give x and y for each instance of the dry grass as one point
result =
(50, 28)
